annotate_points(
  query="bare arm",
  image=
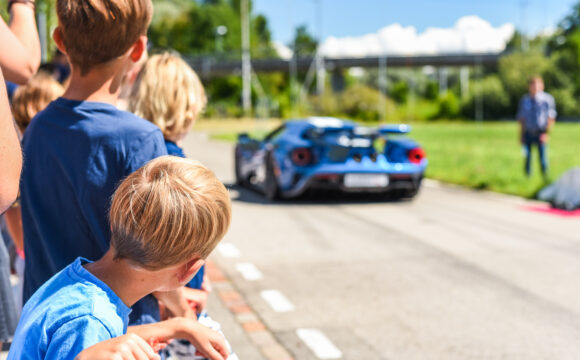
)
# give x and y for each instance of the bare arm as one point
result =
(176, 302)
(19, 44)
(126, 347)
(13, 218)
(208, 342)
(10, 153)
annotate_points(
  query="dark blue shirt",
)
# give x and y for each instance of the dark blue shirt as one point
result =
(71, 312)
(75, 155)
(175, 150)
(10, 89)
(535, 112)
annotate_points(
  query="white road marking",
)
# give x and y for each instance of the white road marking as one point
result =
(277, 301)
(319, 344)
(228, 250)
(249, 271)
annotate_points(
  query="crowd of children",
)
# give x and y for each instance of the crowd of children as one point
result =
(113, 224)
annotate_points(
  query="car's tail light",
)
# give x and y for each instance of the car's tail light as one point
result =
(416, 155)
(302, 156)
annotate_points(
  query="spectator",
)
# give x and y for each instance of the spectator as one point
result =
(179, 100)
(19, 59)
(10, 164)
(536, 115)
(166, 218)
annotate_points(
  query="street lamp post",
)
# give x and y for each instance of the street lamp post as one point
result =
(246, 60)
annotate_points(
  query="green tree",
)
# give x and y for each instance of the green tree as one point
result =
(190, 28)
(304, 44)
(496, 101)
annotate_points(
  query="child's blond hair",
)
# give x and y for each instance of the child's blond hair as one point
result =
(33, 97)
(169, 211)
(169, 94)
(98, 31)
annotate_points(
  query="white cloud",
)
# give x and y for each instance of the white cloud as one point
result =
(471, 34)
(283, 51)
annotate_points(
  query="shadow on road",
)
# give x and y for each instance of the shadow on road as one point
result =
(318, 197)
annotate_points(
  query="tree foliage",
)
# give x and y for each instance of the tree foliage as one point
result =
(191, 28)
(304, 44)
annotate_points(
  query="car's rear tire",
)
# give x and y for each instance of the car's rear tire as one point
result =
(271, 189)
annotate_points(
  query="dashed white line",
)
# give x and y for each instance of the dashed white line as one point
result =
(249, 271)
(228, 250)
(320, 345)
(277, 301)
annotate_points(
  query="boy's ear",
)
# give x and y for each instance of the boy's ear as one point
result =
(138, 49)
(188, 270)
(57, 37)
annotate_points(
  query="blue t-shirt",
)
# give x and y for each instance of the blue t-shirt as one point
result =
(69, 313)
(75, 155)
(175, 150)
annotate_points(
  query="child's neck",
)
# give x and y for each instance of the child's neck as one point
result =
(101, 84)
(127, 282)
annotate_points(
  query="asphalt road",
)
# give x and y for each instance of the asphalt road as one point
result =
(453, 274)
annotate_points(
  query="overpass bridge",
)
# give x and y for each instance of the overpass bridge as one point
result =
(209, 67)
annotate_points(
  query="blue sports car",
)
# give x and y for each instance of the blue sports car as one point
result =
(330, 153)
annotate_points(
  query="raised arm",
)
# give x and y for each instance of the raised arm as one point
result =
(19, 43)
(10, 153)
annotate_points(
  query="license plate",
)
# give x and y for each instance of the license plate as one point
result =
(366, 180)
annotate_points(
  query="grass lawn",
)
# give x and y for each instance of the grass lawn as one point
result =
(481, 156)
(489, 156)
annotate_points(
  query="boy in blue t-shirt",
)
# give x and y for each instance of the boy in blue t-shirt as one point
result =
(165, 219)
(81, 146)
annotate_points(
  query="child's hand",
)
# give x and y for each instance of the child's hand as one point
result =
(126, 347)
(206, 284)
(209, 343)
(196, 298)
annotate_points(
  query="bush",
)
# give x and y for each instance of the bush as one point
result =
(449, 106)
(496, 101)
(360, 102)
(565, 102)
(400, 92)
(431, 90)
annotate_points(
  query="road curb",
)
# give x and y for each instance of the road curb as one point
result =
(254, 328)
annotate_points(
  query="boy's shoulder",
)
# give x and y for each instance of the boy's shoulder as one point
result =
(74, 293)
(70, 312)
(90, 122)
(90, 113)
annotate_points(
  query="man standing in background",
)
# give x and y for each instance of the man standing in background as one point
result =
(536, 115)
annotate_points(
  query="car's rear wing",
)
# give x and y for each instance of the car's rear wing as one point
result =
(394, 129)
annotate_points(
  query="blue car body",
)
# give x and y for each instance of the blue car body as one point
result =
(330, 153)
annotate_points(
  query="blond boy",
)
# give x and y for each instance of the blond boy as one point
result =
(165, 218)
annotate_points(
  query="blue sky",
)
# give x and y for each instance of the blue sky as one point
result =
(354, 18)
